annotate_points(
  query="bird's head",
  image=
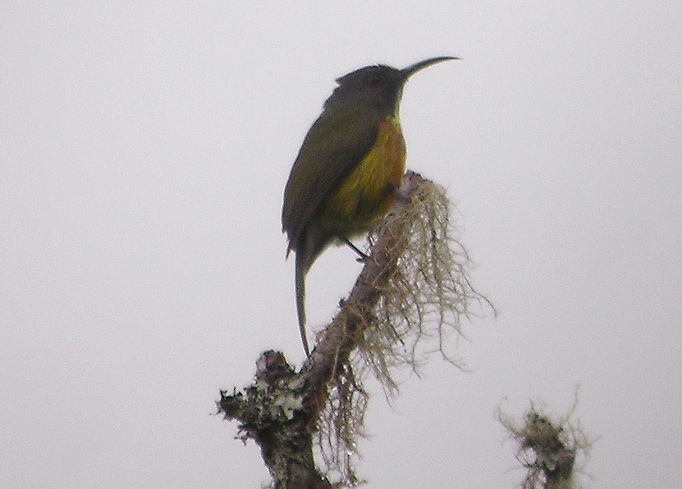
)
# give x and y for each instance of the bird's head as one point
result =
(378, 86)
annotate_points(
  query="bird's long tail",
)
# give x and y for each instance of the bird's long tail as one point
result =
(301, 270)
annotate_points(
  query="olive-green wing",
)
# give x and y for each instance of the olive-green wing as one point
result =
(334, 146)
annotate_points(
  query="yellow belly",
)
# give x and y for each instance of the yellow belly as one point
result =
(368, 192)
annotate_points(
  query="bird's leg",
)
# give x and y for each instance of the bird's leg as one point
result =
(361, 256)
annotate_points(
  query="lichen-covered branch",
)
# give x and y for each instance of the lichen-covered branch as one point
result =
(414, 286)
(548, 448)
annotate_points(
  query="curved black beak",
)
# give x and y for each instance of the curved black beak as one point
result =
(412, 69)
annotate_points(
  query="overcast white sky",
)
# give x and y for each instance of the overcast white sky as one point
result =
(145, 147)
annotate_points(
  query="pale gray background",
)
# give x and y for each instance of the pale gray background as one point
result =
(144, 150)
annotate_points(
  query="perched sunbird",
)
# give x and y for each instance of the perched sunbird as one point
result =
(348, 169)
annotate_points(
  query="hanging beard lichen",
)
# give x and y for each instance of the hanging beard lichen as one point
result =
(424, 294)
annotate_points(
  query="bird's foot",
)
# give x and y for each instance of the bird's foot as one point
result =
(362, 257)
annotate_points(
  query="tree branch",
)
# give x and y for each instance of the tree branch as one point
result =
(281, 411)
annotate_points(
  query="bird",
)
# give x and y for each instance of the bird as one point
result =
(348, 168)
